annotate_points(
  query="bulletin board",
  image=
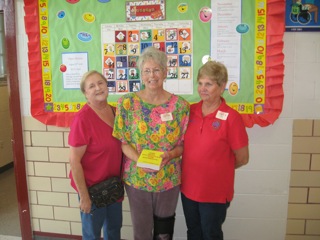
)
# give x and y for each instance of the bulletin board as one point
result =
(68, 38)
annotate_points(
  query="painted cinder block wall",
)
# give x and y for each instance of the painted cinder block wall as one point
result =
(54, 203)
(304, 193)
(260, 207)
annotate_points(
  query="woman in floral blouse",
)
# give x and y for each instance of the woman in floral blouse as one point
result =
(152, 119)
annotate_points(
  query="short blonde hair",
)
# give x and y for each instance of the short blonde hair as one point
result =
(216, 71)
(85, 77)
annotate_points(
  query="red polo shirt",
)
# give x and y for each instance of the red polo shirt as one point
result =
(208, 162)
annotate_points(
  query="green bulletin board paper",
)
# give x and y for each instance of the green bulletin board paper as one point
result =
(111, 12)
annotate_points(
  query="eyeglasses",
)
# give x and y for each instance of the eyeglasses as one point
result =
(148, 72)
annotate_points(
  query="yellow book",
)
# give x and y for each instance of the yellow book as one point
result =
(150, 159)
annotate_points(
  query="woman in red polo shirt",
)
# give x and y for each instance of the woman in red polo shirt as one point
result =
(215, 144)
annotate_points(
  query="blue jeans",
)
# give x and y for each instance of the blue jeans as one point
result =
(204, 220)
(110, 218)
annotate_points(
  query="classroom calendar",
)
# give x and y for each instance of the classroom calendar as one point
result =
(122, 43)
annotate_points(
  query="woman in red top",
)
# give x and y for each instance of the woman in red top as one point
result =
(95, 155)
(215, 144)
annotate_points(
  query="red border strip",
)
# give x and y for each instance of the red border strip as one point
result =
(60, 119)
(274, 69)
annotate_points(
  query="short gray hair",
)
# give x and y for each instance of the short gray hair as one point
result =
(151, 53)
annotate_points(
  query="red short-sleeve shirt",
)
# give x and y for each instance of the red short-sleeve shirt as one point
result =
(103, 155)
(208, 161)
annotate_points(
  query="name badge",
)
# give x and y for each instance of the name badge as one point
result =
(222, 115)
(166, 117)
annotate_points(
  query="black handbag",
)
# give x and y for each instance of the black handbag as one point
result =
(106, 192)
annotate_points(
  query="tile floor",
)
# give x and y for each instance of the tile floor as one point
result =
(9, 216)
(4, 237)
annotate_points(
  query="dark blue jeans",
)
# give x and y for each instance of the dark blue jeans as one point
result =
(107, 218)
(204, 220)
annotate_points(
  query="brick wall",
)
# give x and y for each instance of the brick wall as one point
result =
(53, 202)
(304, 194)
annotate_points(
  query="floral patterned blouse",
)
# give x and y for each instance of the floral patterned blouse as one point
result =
(139, 124)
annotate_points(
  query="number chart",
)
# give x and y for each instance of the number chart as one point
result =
(122, 43)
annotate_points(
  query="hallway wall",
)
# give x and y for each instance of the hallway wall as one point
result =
(304, 194)
(54, 203)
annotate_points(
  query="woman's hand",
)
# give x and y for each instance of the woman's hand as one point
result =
(169, 155)
(85, 204)
(165, 159)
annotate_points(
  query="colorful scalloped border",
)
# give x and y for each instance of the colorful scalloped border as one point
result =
(274, 69)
